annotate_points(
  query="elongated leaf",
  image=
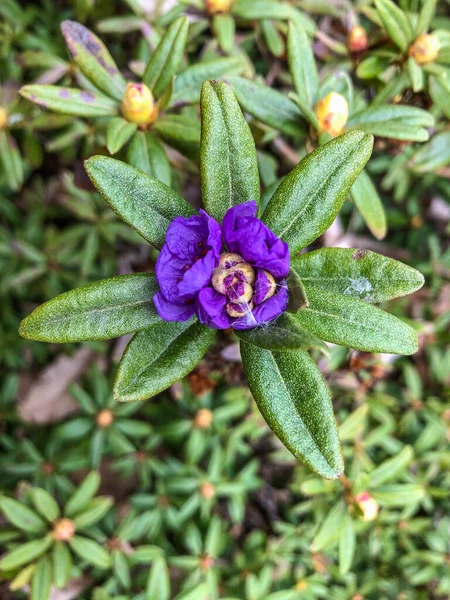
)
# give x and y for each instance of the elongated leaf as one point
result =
(311, 195)
(284, 334)
(439, 88)
(390, 468)
(433, 155)
(269, 9)
(329, 526)
(362, 274)
(347, 544)
(101, 310)
(62, 564)
(93, 58)
(425, 17)
(302, 65)
(90, 551)
(395, 23)
(146, 154)
(416, 75)
(45, 504)
(224, 27)
(229, 167)
(347, 321)
(268, 106)
(42, 579)
(11, 161)
(166, 59)
(92, 513)
(118, 133)
(399, 494)
(178, 128)
(21, 516)
(293, 398)
(158, 584)
(143, 202)
(367, 200)
(82, 495)
(25, 554)
(70, 101)
(393, 121)
(158, 356)
(188, 83)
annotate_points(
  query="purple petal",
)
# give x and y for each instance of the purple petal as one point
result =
(211, 309)
(231, 221)
(214, 235)
(262, 286)
(172, 312)
(169, 270)
(184, 236)
(198, 276)
(273, 307)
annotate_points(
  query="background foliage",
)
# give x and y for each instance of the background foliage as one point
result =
(189, 495)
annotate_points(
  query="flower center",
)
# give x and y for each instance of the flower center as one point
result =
(237, 280)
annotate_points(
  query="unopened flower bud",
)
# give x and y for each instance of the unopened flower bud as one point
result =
(265, 286)
(425, 49)
(218, 6)
(207, 491)
(368, 505)
(3, 118)
(203, 418)
(332, 114)
(64, 530)
(239, 310)
(105, 418)
(357, 40)
(232, 270)
(138, 104)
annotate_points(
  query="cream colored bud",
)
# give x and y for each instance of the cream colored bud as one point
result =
(225, 274)
(332, 114)
(105, 418)
(368, 505)
(272, 286)
(357, 40)
(239, 310)
(64, 530)
(214, 7)
(138, 104)
(207, 491)
(203, 418)
(425, 49)
(3, 118)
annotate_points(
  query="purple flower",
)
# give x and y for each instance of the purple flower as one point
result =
(240, 288)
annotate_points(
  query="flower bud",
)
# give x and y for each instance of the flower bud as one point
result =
(218, 6)
(239, 310)
(425, 49)
(357, 40)
(231, 271)
(105, 418)
(368, 505)
(203, 418)
(63, 530)
(138, 104)
(332, 114)
(3, 118)
(207, 491)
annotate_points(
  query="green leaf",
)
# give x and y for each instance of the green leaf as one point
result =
(178, 129)
(268, 106)
(393, 121)
(283, 334)
(371, 67)
(273, 38)
(293, 398)
(347, 544)
(92, 513)
(90, 551)
(83, 494)
(297, 292)
(158, 583)
(158, 356)
(425, 17)
(390, 468)
(188, 83)
(269, 9)
(416, 75)
(42, 579)
(11, 161)
(45, 504)
(229, 167)
(70, 101)
(433, 155)
(341, 319)
(368, 202)
(93, 58)
(223, 27)
(25, 554)
(329, 527)
(62, 564)
(439, 88)
(311, 195)
(118, 132)
(395, 22)
(399, 494)
(167, 57)
(21, 516)
(362, 274)
(97, 311)
(143, 202)
(146, 154)
(302, 65)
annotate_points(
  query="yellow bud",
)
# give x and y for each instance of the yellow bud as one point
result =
(105, 418)
(368, 505)
(218, 6)
(357, 40)
(203, 418)
(138, 104)
(332, 114)
(207, 491)
(64, 530)
(3, 118)
(301, 585)
(425, 49)
(225, 274)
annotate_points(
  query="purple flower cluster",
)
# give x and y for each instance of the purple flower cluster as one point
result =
(241, 285)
